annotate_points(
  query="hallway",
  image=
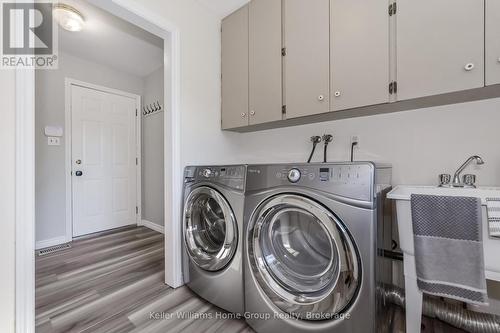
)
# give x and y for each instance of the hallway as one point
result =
(113, 282)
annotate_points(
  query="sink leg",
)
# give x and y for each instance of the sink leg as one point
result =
(413, 306)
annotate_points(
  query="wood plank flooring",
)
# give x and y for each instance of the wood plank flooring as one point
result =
(113, 282)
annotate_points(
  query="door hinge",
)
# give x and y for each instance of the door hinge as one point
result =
(392, 9)
(283, 109)
(283, 51)
(393, 87)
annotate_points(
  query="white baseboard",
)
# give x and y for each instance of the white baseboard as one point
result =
(153, 226)
(50, 242)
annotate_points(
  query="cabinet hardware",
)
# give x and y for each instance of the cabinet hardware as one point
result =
(393, 87)
(469, 67)
(243, 115)
(498, 59)
(252, 113)
(321, 98)
(283, 109)
(392, 9)
(283, 51)
(337, 94)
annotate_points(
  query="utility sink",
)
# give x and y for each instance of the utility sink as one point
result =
(402, 195)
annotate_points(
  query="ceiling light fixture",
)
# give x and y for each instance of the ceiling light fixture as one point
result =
(68, 17)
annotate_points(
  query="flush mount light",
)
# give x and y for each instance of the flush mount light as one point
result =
(68, 17)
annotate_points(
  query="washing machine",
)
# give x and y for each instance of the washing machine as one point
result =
(311, 246)
(212, 233)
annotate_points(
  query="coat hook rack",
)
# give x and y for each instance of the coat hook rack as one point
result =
(150, 109)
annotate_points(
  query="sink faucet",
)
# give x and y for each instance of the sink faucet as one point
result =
(456, 177)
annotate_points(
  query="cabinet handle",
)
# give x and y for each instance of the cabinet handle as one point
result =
(321, 98)
(337, 94)
(252, 113)
(243, 115)
(469, 67)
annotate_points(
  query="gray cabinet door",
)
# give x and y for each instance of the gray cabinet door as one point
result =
(492, 42)
(359, 53)
(440, 46)
(306, 64)
(235, 69)
(265, 90)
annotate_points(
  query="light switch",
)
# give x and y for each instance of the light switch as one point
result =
(53, 141)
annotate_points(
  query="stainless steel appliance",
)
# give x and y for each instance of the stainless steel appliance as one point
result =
(311, 240)
(213, 224)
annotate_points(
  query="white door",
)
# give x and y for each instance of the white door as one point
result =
(103, 160)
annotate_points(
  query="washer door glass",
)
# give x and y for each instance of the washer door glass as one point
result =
(210, 229)
(303, 257)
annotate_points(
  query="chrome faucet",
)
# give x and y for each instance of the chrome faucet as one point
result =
(456, 178)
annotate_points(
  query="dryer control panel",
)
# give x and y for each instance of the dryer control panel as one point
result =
(230, 176)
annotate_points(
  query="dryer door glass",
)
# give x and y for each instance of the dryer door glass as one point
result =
(303, 257)
(210, 229)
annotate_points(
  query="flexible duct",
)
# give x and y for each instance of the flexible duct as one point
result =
(453, 314)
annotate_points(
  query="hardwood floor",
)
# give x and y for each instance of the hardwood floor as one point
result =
(113, 282)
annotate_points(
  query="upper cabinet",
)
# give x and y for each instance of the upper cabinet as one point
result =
(492, 39)
(440, 46)
(235, 69)
(265, 79)
(359, 53)
(306, 59)
(284, 60)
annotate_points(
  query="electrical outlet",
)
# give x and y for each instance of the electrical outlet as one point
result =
(355, 139)
(54, 141)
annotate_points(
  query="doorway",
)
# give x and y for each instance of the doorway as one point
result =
(25, 159)
(103, 136)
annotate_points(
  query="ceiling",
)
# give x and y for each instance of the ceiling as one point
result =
(222, 8)
(111, 41)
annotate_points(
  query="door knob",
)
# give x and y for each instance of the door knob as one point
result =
(79, 173)
(469, 67)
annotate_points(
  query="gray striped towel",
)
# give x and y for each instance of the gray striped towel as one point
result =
(447, 233)
(493, 209)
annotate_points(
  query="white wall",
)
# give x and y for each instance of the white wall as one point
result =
(7, 203)
(420, 144)
(50, 160)
(153, 199)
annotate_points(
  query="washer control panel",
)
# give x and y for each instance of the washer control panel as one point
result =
(353, 180)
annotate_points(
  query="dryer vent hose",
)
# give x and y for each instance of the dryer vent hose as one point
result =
(453, 314)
